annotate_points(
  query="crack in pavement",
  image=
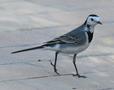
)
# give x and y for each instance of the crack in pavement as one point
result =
(38, 77)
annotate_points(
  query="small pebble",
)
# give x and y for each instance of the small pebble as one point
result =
(74, 88)
(39, 60)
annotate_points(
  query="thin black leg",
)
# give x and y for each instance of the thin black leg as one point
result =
(74, 62)
(54, 65)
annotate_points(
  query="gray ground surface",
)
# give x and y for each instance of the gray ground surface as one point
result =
(27, 23)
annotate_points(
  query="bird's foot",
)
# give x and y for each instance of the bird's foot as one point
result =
(55, 70)
(51, 63)
(57, 73)
(79, 76)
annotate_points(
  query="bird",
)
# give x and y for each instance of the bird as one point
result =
(73, 42)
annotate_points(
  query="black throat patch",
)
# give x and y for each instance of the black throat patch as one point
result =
(90, 36)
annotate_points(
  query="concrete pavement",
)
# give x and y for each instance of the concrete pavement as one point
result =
(27, 23)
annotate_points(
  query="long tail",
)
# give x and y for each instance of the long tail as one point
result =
(39, 47)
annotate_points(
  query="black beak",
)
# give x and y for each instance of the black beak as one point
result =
(99, 22)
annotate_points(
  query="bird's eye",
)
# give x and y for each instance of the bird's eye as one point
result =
(92, 19)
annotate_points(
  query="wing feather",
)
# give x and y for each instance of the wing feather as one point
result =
(65, 39)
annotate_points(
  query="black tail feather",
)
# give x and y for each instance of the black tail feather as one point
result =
(39, 47)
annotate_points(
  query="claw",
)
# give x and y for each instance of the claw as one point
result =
(55, 70)
(79, 76)
(57, 73)
(51, 63)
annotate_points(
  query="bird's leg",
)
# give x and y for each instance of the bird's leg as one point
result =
(74, 62)
(54, 65)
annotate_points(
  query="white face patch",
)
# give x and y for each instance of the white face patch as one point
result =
(95, 18)
(92, 20)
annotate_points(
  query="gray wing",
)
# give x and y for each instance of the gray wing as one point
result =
(76, 36)
(76, 39)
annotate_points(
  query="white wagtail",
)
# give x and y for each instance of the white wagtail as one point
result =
(72, 42)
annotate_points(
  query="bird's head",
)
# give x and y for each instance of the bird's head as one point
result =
(93, 20)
